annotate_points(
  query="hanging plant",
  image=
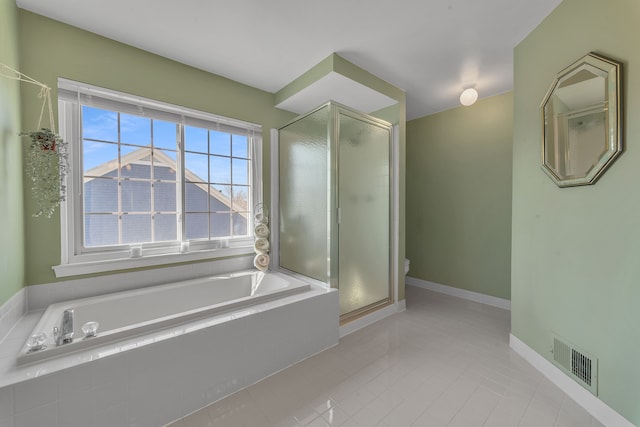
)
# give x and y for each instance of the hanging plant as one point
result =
(46, 169)
(46, 155)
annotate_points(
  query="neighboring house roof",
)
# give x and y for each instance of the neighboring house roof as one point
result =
(160, 159)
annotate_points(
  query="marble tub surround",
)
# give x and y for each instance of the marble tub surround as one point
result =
(41, 296)
(11, 312)
(157, 378)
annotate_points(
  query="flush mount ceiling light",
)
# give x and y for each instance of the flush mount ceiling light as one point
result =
(468, 96)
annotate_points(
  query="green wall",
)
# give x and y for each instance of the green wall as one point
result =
(11, 203)
(459, 196)
(575, 268)
(50, 49)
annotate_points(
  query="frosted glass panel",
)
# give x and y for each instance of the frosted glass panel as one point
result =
(364, 214)
(304, 194)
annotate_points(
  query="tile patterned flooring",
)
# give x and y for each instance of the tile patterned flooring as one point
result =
(442, 362)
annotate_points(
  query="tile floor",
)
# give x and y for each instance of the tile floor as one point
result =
(443, 362)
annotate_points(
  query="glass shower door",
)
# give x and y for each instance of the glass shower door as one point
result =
(364, 213)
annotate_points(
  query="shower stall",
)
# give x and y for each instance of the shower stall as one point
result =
(335, 210)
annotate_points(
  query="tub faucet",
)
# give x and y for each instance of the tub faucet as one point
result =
(64, 335)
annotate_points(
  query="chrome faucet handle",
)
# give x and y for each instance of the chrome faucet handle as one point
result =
(37, 342)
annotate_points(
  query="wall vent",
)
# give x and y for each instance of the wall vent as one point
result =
(579, 365)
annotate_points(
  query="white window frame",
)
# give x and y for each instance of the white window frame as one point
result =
(75, 258)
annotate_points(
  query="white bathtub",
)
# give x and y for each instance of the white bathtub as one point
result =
(126, 314)
(157, 375)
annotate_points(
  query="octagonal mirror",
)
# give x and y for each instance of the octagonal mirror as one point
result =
(582, 116)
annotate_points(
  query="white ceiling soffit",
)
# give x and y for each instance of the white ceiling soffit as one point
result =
(336, 87)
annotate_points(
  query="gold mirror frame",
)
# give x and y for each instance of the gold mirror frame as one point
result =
(582, 121)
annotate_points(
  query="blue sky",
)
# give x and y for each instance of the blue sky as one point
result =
(135, 132)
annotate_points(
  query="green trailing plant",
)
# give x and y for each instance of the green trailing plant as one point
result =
(46, 168)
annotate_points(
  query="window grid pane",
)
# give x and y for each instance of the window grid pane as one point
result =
(228, 164)
(133, 184)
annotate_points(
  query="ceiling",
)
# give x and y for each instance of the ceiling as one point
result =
(432, 49)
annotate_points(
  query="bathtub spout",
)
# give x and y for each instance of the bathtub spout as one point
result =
(64, 335)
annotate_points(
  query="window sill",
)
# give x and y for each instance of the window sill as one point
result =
(82, 268)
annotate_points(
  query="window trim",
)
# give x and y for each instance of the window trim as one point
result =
(75, 260)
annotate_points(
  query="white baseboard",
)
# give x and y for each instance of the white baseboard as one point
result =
(596, 407)
(460, 293)
(367, 320)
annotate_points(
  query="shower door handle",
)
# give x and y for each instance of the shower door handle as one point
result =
(339, 215)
